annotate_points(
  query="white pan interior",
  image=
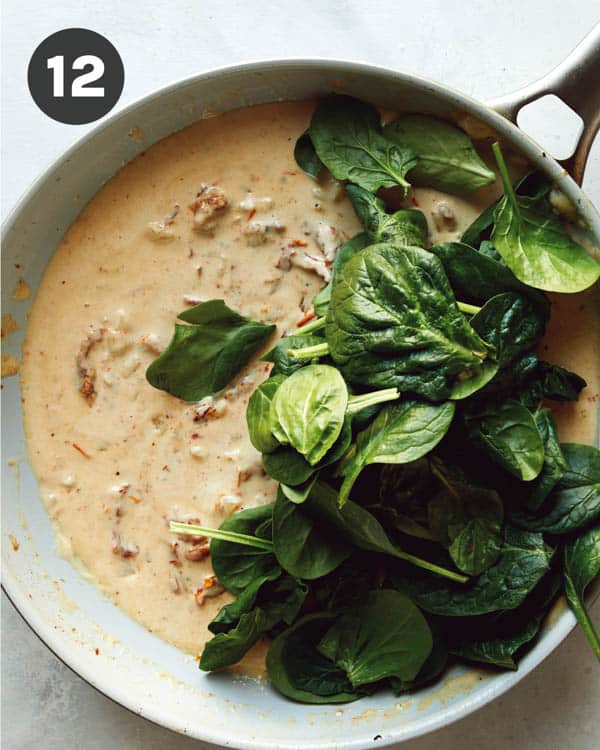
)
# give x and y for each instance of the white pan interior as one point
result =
(68, 613)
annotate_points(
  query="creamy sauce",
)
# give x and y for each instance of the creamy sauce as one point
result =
(119, 460)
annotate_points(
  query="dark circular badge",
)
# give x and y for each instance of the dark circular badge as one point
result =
(75, 76)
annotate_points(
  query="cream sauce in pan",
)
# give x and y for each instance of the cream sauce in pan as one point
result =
(115, 458)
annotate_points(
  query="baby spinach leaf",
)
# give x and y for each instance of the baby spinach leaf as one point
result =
(237, 566)
(346, 134)
(473, 379)
(534, 245)
(258, 415)
(229, 615)
(204, 357)
(387, 636)
(432, 667)
(301, 546)
(289, 467)
(512, 324)
(548, 381)
(400, 433)
(393, 321)
(509, 435)
(300, 492)
(308, 410)
(300, 672)
(285, 599)
(575, 501)
(582, 565)
(524, 560)
(284, 364)
(466, 518)
(362, 528)
(404, 227)
(306, 156)
(555, 463)
(497, 639)
(534, 186)
(476, 277)
(347, 250)
(446, 158)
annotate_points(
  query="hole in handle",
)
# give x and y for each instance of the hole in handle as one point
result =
(553, 124)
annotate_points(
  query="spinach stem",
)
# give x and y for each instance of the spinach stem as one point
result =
(431, 567)
(466, 308)
(506, 181)
(314, 325)
(222, 535)
(357, 403)
(590, 631)
(318, 350)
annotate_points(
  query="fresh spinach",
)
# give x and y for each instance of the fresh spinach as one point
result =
(308, 410)
(347, 250)
(446, 158)
(393, 321)
(524, 560)
(555, 463)
(432, 667)
(306, 156)
(259, 415)
(476, 278)
(400, 433)
(301, 546)
(582, 565)
(236, 565)
(300, 672)
(548, 381)
(346, 134)
(202, 358)
(361, 528)
(575, 501)
(404, 227)
(509, 435)
(385, 637)
(534, 245)
(512, 324)
(283, 364)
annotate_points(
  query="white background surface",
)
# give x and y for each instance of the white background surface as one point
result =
(483, 47)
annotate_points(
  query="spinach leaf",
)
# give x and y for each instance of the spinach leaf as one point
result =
(534, 185)
(555, 463)
(509, 435)
(347, 250)
(404, 227)
(550, 382)
(446, 158)
(283, 363)
(466, 518)
(393, 321)
(362, 529)
(475, 277)
(289, 467)
(229, 615)
(387, 636)
(473, 379)
(237, 566)
(512, 324)
(346, 134)
(300, 492)
(301, 546)
(524, 560)
(400, 433)
(582, 565)
(432, 667)
(204, 357)
(306, 156)
(497, 639)
(575, 501)
(300, 672)
(534, 245)
(285, 599)
(308, 410)
(259, 415)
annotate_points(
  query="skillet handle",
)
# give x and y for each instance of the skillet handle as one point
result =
(576, 80)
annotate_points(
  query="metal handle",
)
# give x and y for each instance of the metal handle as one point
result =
(577, 82)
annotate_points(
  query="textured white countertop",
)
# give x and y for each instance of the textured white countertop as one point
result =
(483, 47)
